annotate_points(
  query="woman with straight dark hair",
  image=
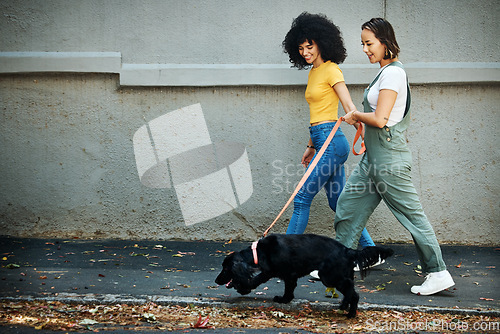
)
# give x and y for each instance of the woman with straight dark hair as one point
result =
(384, 171)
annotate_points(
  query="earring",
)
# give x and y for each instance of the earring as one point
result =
(388, 53)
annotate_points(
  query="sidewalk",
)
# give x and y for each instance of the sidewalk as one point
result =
(179, 272)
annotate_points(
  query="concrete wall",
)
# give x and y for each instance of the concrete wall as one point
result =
(79, 79)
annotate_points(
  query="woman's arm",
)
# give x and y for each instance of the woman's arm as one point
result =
(380, 117)
(344, 96)
(346, 101)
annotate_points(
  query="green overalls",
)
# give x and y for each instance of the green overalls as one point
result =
(384, 173)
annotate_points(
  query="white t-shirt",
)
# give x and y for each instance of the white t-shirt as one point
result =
(393, 78)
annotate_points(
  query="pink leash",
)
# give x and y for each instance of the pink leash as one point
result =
(315, 162)
(309, 171)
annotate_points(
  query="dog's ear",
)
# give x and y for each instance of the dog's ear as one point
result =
(241, 271)
(226, 274)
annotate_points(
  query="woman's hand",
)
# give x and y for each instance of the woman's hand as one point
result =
(307, 157)
(350, 118)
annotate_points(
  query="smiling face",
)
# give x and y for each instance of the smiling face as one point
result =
(309, 50)
(373, 48)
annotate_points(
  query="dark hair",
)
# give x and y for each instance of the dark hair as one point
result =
(385, 34)
(318, 28)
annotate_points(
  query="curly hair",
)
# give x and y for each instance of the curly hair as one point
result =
(318, 28)
(385, 34)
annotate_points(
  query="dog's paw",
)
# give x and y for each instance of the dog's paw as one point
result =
(282, 300)
(352, 314)
(349, 314)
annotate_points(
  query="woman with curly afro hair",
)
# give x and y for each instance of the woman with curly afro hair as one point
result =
(314, 40)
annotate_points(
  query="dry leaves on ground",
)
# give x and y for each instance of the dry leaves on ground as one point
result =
(72, 317)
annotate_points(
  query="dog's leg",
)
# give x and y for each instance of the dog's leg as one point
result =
(353, 310)
(290, 285)
(351, 297)
(259, 279)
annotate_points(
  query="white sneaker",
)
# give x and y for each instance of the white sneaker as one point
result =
(314, 274)
(434, 283)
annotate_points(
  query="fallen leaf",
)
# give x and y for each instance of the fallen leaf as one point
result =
(186, 253)
(88, 322)
(278, 314)
(459, 265)
(139, 254)
(202, 324)
(41, 326)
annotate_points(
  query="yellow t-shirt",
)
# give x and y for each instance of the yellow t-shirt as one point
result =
(322, 99)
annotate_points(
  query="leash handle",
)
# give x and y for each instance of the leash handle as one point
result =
(309, 170)
(356, 137)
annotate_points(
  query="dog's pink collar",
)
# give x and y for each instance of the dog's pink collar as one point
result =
(254, 251)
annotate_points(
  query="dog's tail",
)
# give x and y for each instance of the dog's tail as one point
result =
(369, 256)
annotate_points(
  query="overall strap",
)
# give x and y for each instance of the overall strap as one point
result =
(394, 63)
(408, 93)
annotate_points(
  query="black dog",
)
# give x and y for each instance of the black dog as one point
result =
(290, 257)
